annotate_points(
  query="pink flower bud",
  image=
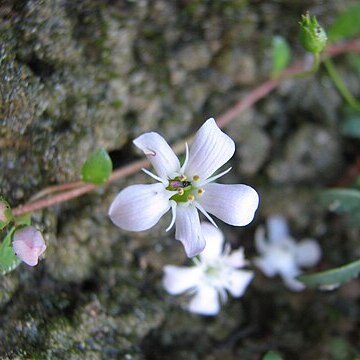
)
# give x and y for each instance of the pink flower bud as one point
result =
(28, 244)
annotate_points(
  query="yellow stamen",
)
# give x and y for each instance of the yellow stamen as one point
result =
(196, 177)
(180, 191)
(200, 191)
(182, 178)
(191, 197)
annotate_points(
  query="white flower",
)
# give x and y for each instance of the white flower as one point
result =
(28, 244)
(215, 272)
(185, 189)
(281, 254)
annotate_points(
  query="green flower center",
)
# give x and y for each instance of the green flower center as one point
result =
(183, 187)
(186, 190)
(212, 271)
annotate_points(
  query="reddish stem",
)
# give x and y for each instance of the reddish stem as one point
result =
(80, 190)
(254, 96)
(56, 188)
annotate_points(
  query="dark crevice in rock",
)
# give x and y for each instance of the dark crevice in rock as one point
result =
(120, 157)
(41, 68)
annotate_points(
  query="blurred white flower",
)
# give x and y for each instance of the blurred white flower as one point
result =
(28, 244)
(185, 189)
(281, 254)
(214, 273)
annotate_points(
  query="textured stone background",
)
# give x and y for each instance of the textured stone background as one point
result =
(75, 75)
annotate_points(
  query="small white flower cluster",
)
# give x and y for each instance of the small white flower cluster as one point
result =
(282, 255)
(216, 271)
(190, 187)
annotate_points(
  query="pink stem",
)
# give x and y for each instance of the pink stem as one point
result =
(56, 188)
(84, 188)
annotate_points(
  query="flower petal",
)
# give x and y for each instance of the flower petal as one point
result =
(214, 242)
(205, 302)
(236, 259)
(278, 228)
(210, 150)
(261, 243)
(139, 207)
(293, 284)
(266, 266)
(308, 253)
(237, 282)
(188, 230)
(233, 204)
(28, 244)
(178, 279)
(159, 153)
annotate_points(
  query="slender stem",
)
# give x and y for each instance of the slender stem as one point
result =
(339, 83)
(55, 189)
(53, 200)
(78, 188)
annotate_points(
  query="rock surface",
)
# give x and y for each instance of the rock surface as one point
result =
(78, 75)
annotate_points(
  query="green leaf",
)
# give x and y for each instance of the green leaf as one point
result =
(5, 213)
(347, 24)
(97, 168)
(341, 200)
(271, 355)
(330, 279)
(8, 260)
(340, 349)
(280, 54)
(351, 126)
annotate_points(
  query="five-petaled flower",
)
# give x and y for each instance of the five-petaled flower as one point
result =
(281, 254)
(215, 272)
(185, 189)
(28, 244)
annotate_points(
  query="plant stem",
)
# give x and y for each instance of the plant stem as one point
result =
(339, 83)
(56, 189)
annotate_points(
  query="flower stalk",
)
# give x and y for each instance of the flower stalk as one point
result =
(340, 85)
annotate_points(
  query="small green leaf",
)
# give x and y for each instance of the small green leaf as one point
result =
(347, 24)
(340, 349)
(280, 54)
(8, 260)
(5, 213)
(332, 278)
(271, 355)
(97, 168)
(351, 126)
(341, 200)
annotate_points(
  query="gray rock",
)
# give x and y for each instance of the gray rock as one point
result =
(194, 56)
(313, 152)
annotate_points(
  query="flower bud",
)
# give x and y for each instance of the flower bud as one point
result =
(5, 213)
(28, 244)
(312, 36)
